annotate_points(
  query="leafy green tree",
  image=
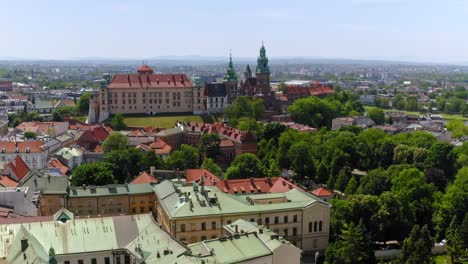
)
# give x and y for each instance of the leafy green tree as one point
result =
(417, 247)
(411, 104)
(352, 186)
(399, 101)
(185, 158)
(455, 245)
(126, 163)
(245, 166)
(210, 165)
(353, 248)
(301, 160)
(83, 103)
(343, 177)
(377, 115)
(273, 170)
(322, 173)
(57, 116)
(150, 159)
(115, 141)
(30, 135)
(252, 108)
(209, 146)
(375, 182)
(118, 122)
(441, 156)
(273, 131)
(97, 173)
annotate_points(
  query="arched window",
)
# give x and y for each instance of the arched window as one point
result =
(310, 227)
(320, 226)
(315, 226)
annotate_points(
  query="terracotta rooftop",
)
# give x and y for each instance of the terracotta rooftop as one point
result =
(144, 177)
(256, 185)
(18, 167)
(21, 146)
(6, 181)
(145, 78)
(160, 147)
(320, 192)
(39, 127)
(195, 175)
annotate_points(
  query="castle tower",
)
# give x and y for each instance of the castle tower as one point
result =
(262, 73)
(231, 81)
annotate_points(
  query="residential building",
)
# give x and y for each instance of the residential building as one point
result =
(283, 251)
(16, 169)
(144, 178)
(70, 157)
(323, 194)
(32, 152)
(196, 212)
(360, 121)
(51, 190)
(21, 200)
(216, 98)
(65, 239)
(112, 199)
(6, 85)
(43, 128)
(143, 92)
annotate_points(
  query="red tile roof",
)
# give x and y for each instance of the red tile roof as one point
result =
(195, 175)
(221, 129)
(39, 127)
(10, 146)
(144, 177)
(146, 78)
(160, 147)
(256, 185)
(7, 182)
(309, 90)
(145, 69)
(56, 163)
(320, 192)
(18, 167)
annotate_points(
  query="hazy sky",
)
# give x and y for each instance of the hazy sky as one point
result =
(430, 30)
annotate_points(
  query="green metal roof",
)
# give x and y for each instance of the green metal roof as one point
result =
(197, 205)
(232, 249)
(111, 190)
(136, 233)
(47, 184)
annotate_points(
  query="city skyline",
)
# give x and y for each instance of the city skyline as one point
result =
(358, 29)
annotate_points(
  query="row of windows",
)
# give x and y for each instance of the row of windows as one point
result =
(320, 226)
(286, 231)
(152, 94)
(259, 221)
(118, 260)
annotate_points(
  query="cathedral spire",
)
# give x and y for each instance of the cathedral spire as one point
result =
(262, 61)
(230, 71)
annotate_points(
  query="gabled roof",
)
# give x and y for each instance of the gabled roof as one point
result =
(18, 167)
(63, 215)
(144, 177)
(320, 192)
(145, 69)
(21, 146)
(195, 175)
(256, 185)
(160, 147)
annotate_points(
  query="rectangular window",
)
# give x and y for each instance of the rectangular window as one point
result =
(93, 261)
(295, 218)
(66, 262)
(106, 260)
(267, 220)
(285, 232)
(294, 231)
(203, 238)
(229, 222)
(80, 261)
(127, 259)
(276, 220)
(315, 243)
(117, 258)
(182, 228)
(286, 219)
(213, 225)
(203, 226)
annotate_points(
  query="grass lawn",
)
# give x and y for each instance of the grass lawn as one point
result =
(81, 118)
(444, 116)
(444, 259)
(167, 121)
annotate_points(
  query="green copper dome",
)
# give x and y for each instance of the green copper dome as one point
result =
(103, 83)
(262, 61)
(231, 75)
